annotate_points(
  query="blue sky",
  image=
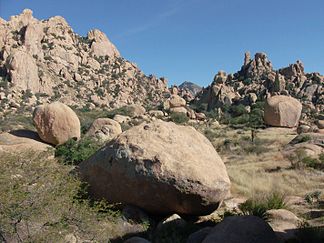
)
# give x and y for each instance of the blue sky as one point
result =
(193, 39)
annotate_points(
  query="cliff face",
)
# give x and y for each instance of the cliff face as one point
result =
(257, 79)
(44, 60)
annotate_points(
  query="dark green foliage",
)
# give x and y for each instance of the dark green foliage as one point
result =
(74, 152)
(179, 118)
(259, 206)
(237, 110)
(237, 115)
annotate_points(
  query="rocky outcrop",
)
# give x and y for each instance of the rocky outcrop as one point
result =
(47, 59)
(282, 111)
(56, 123)
(101, 45)
(161, 167)
(257, 79)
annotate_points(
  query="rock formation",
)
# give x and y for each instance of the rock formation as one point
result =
(49, 62)
(160, 167)
(282, 111)
(257, 79)
(56, 123)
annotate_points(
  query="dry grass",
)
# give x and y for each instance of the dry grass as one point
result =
(253, 173)
(42, 201)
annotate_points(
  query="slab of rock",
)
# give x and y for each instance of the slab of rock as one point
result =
(238, 229)
(56, 123)
(22, 141)
(282, 111)
(161, 167)
(284, 223)
(104, 129)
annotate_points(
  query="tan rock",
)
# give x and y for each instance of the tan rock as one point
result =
(156, 113)
(176, 101)
(23, 71)
(179, 110)
(104, 129)
(282, 111)
(160, 167)
(284, 223)
(121, 119)
(101, 45)
(136, 110)
(56, 123)
(22, 141)
(320, 124)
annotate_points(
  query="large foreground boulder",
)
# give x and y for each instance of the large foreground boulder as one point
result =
(238, 229)
(282, 111)
(56, 123)
(161, 167)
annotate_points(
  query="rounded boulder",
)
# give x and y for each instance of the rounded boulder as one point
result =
(56, 123)
(161, 167)
(282, 111)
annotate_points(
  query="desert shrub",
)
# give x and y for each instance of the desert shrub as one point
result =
(260, 206)
(237, 110)
(74, 152)
(237, 115)
(300, 160)
(39, 193)
(179, 118)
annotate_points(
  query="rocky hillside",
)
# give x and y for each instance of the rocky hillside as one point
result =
(44, 60)
(257, 80)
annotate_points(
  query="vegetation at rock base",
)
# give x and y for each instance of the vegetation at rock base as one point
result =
(74, 152)
(179, 118)
(41, 200)
(259, 205)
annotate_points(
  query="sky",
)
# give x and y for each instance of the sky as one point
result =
(190, 40)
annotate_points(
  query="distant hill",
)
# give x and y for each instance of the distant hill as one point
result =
(192, 87)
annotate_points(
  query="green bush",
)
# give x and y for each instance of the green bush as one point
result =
(74, 152)
(260, 206)
(178, 117)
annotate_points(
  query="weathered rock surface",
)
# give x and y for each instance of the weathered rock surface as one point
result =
(282, 111)
(237, 229)
(160, 167)
(284, 223)
(56, 123)
(21, 141)
(104, 129)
